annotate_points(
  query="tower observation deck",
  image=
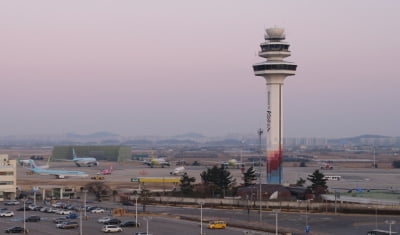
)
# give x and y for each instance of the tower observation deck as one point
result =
(274, 70)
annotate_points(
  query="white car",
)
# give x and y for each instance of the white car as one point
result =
(103, 219)
(111, 229)
(64, 212)
(12, 202)
(7, 214)
(97, 210)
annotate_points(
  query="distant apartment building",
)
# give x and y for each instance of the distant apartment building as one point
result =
(8, 178)
(304, 141)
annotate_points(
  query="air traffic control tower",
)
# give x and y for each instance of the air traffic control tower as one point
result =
(274, 70)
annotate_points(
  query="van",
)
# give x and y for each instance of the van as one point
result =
(217, 224)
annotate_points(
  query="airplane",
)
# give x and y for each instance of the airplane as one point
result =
(107, 171)
(88, 161)
(27, 162)
(157, 162)
(59, 174)
(178, 171)
(326, 166)
(232, 163)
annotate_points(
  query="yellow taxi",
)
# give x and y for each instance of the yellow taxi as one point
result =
(217, 224)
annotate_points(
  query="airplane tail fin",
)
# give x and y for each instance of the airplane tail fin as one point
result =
(73, 153)
(32, 163)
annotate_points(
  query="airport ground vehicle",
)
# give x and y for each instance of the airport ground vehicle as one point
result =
(97, 177)
(129, 224)
(217, 224)
(33, 218)
(111, 229)
(16, 229)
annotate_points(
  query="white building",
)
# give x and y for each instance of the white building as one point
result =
(8, 178)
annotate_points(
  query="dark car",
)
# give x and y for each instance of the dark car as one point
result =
(113, 221)
(22, 209)
(16, 229)
(60, 220)
(33, 218)
(128, 203)
(72, 216)
(129, 224)
(69, 224)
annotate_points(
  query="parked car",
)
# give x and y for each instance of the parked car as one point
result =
(60, 220)
(64, 212)
(111, 229)
(216, 224)
(68, 225)
(11, 202)
(97, 210)
(129, 224)
(103, 219)
(15, 229)
(142, 233)
(33, 218)
(3, 209)
(6, 214)
(113, 222)
(72, 216)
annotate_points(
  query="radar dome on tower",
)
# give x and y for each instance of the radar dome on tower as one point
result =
(275, 33)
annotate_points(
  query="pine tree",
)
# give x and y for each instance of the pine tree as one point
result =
(249, 176)
(318, 181)
(186, 184)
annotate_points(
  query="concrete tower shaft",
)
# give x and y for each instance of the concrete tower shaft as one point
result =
(274, 70)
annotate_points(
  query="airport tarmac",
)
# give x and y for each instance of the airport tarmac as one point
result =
(366, 178)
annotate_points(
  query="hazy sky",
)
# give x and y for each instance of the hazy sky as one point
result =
(170, 67)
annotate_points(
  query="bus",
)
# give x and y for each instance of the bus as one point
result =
(333, 177)
(380, 232)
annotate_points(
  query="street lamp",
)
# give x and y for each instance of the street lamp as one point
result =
(276, 220)
(84, 203)
(201, 217)
(147, 224)
(390, 222)
(260, 132)
(24, 200)
(136, 198)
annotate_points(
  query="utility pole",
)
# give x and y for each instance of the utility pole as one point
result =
(260, 132)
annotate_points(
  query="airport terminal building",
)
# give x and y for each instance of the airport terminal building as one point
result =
(8, 178)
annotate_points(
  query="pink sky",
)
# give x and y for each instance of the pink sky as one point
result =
(170, 67)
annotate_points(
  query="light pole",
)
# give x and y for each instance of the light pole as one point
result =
(84, 203)
(390, 222)
(201, 217)
(276, 221)
(260, 132)
(136, 198)
(24, 216)
(80, 221)
(147, 224)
